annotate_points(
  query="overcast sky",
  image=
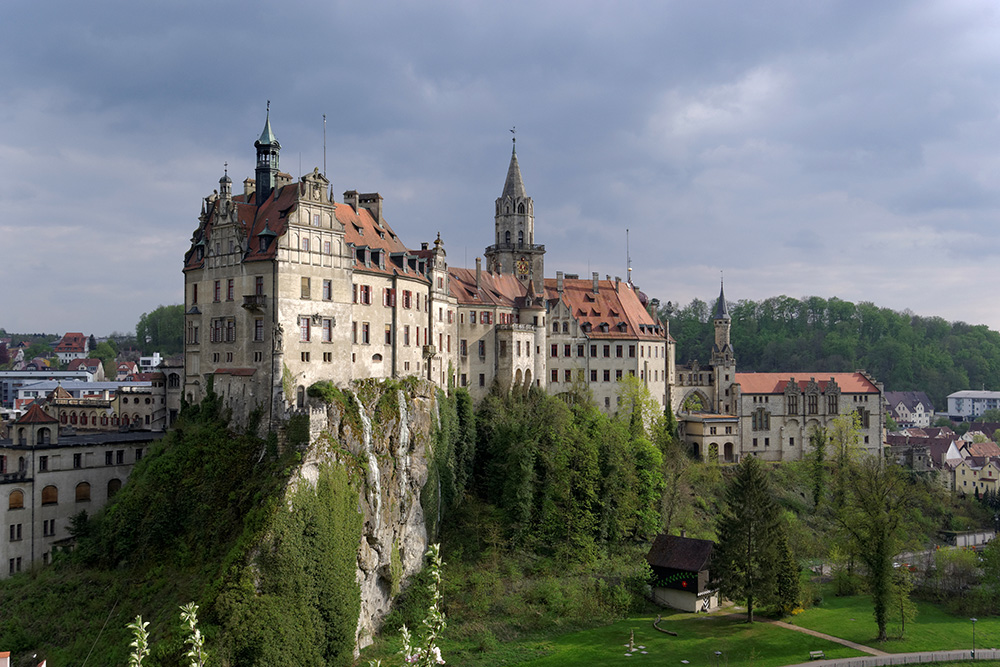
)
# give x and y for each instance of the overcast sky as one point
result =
(847, 149)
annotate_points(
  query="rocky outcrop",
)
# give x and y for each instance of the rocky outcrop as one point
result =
(382, 432)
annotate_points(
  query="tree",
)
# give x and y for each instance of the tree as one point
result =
(161, 330)
(91, 343)
(817, 438)
(942, 422)
(692, 403)
(991, 415)
(874, 517)
(890, 423)
(901, 607)
(787, 587)
(744, 563)
(844, 437)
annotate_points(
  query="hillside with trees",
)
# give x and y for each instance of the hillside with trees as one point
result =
(905, 352)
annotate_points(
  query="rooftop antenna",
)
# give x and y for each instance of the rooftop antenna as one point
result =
(628, 259)
(324, 145)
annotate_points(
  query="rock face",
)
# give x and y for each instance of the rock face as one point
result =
(383, 432)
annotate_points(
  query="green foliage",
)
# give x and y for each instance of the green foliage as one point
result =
(902, 350)
(991, 415)
(161, 330)
(297, 600)
(297, 431)
(744, 561)
(818, 440)
(787, 587)
(875, 518)
(901, 607)
(196, 654)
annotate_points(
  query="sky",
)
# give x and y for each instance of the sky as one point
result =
(847, 149)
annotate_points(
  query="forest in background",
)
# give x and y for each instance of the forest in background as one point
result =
(812, 335)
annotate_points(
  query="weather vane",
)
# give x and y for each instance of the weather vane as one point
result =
(513, 131)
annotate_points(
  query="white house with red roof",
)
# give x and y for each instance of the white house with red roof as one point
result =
(73, 345)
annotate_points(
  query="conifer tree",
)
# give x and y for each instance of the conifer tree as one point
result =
(787, 576)
(745, 559)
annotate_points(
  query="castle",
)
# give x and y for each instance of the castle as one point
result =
(284, 287)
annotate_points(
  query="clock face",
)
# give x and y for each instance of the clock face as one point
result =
(522, 266)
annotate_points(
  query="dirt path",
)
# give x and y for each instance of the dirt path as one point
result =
(858, 647)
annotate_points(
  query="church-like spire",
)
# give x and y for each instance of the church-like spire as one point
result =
(513, 187)
(721, 310)
(268, 149)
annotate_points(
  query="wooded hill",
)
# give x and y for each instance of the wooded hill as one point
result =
(904, 351)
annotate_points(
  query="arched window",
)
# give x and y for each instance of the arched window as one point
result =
(520, 237)
(62, 418)
(83, 492)
(50, 495)
(114, 486)
(83, 419)
(174, 381)
(148, 401)
(124, 420)
(44, 436)
(104, 420)
(520, 207)
(300, 397)
(16, 500)
(21, 436)
(506, 237)
(72, 418)
(21, 465)
(114, 420)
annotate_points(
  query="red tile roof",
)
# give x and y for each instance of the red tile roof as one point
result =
(74, 342)
(495, 289)
(619, 308)
(775, 383)
(35, 415)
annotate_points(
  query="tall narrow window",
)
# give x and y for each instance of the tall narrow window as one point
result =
(304, 329)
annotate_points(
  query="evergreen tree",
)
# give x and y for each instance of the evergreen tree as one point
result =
(787, 576)
(744, 564)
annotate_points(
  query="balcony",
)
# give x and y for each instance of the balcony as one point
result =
(429, 351)
(254, 301)
(526, 247)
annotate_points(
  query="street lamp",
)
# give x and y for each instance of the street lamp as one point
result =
(973, 637)
(719, 653)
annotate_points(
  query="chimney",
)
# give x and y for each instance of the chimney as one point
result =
(559, 281)
(351, 199)
(373, 202)
(479, 270)
(248, 188)
(617, 283)
(423, 245)
(596, 280)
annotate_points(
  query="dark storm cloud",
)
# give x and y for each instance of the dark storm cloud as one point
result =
(822, 148)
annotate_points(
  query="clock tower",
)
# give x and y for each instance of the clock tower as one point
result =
(515, 250)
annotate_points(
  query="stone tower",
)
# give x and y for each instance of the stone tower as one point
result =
(267, 160)
(515, 250)
(723, 360)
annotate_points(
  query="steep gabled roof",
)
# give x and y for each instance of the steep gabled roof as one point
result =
(615, 304)
(680, 553)
(909, 399)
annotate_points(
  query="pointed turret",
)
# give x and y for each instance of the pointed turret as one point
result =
(268, 149)
(515, 250)
(513, 187)
(721, 310)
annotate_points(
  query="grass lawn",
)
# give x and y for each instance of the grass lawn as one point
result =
(760, 644)
(932, 630)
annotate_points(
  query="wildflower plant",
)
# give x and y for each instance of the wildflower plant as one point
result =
(189, 616)
(140, 642)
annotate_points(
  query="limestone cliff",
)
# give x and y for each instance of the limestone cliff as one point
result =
(382, 431)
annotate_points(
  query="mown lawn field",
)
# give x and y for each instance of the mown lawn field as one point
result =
(933, 629)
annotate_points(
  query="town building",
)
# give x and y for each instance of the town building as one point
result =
(910, 408)
(47, 477)
(12, 381)
(969, 404)
(681, 573)
(73, 345)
